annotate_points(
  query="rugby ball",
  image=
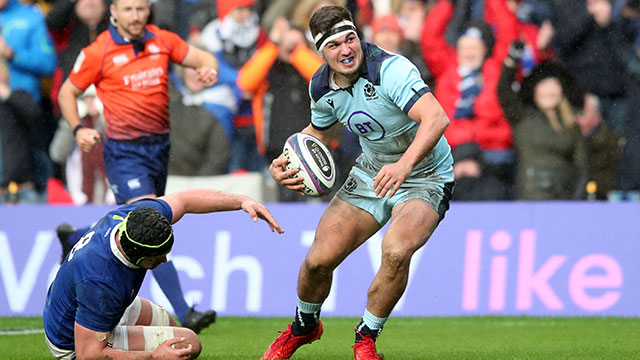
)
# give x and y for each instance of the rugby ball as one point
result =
(317, 168)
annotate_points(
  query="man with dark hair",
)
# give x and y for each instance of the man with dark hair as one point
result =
(404, 174)
(92, 309)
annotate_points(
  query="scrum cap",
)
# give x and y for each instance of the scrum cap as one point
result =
(145, 233)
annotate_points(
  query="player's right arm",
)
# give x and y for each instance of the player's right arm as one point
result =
(68, 101)
(91, 344)
(86, 71)
(202, 201)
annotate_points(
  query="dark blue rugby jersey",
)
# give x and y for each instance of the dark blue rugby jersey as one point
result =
(93, 286)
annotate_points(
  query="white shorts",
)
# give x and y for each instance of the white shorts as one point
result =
(58, 353)
(154, 335)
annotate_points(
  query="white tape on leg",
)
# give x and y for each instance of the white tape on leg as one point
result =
(160, 317)
(119, 338)
(156, 335)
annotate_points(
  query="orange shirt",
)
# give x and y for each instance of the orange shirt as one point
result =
(131, 83)
(253, 74)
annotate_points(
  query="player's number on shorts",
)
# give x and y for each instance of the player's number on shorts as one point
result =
(81, 243)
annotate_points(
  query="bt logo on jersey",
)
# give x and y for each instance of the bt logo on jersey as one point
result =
(363, 124)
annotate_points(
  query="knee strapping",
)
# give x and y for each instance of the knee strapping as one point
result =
(119, 338)
(160, 317)
(156, 335)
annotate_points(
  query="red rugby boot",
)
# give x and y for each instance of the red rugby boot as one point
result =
(365, 349)
(286, 344)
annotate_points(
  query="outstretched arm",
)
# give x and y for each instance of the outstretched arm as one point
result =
(201, 201)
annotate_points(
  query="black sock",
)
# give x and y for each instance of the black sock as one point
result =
(363, 330)
(304, 322)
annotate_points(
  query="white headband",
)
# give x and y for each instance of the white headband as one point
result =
(339, 29)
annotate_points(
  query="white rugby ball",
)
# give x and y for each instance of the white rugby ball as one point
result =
(317, 168)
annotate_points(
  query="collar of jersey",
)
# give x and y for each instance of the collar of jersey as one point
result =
(116, 252)
(121, 40)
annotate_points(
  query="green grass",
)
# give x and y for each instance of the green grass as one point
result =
(403, 338)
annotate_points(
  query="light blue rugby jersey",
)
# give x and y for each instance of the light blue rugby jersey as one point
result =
(93, 287)
(375, 108)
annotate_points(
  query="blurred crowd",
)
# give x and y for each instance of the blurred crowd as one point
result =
(543, 96)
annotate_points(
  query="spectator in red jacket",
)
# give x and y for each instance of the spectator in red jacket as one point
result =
(467, 76)
(536, 31)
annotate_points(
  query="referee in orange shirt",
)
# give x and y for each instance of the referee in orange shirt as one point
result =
(128, 63)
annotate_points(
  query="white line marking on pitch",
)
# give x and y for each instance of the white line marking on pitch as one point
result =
(21, 331)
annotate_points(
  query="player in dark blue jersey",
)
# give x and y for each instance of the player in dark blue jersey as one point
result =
(404, 175)
(93, 309)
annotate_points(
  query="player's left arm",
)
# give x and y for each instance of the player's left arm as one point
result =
(426, 111)
(204, 63)
(201, 201)
(433, 121)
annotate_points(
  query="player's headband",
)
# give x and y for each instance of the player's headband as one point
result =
(339, 29)
(137, 251)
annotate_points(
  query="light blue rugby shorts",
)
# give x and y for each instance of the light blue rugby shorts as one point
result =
(436, 189)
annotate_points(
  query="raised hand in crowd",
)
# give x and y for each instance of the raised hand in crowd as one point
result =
(601, 11)
(591, 116)
(545, 35)
(286, 37)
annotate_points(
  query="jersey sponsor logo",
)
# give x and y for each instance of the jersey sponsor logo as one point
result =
(330, 102)
(144, 79)
(153, 49)
(370, 92)
(79, 60)
(363, 124)
(120, 59)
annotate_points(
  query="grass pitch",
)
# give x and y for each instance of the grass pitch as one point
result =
(403, 338)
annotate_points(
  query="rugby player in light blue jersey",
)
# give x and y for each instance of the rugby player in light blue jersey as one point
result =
(93, 310)
(404, 174)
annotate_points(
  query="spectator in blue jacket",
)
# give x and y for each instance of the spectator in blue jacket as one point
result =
(26, 45)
